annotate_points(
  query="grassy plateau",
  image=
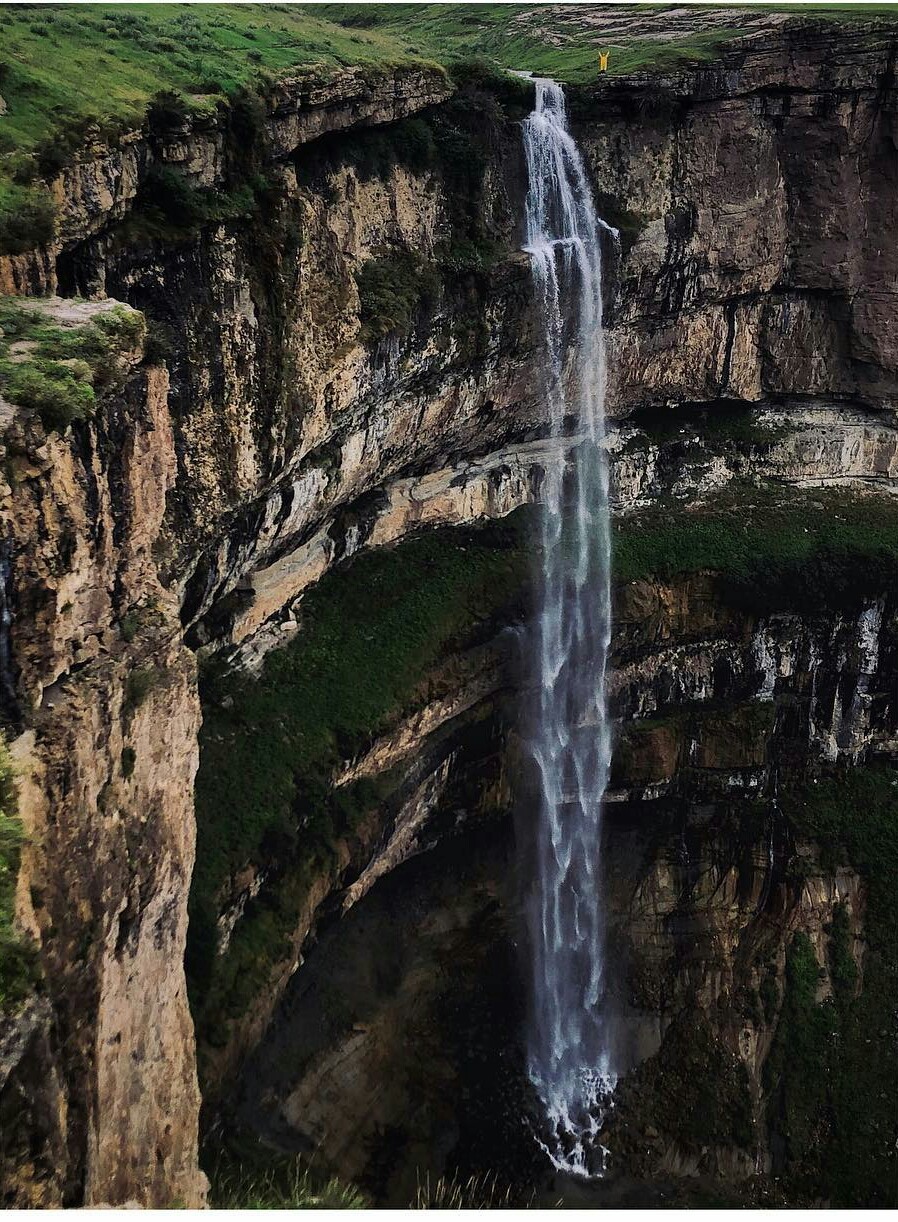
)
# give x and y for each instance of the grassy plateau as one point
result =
(72, 74)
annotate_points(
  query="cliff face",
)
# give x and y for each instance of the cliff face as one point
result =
(720, 707)
(106, 765)
(347, 355)
(759, 193)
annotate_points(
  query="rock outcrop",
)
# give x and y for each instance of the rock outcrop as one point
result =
(100, 187)
(107, 691)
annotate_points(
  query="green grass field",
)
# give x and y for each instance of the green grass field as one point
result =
(70, 73)
(65, 67)
(514, 37)
(62, 68)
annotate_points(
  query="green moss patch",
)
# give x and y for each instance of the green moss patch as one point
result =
(392, 291)
(773, 548)
(371, 631)
(832, 1071)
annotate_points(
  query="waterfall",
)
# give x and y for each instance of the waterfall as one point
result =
(569, 1053)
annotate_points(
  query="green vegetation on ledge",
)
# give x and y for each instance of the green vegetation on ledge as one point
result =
(371, 630)
(58, 370)
(834, 1063)
(772, 546)
(169, 209)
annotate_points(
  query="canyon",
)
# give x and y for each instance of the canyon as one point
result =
(261, 663)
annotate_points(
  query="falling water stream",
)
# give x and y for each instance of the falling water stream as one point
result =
(569, 1053)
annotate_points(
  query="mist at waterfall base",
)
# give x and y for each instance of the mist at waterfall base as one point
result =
(569, 1054)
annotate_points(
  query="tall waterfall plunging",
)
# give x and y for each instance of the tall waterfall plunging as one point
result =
(569, 1056)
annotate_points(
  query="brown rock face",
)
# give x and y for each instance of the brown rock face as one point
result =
(110, 793)
(757, 195)
(32, 1108)
(753, 198)
(106, 798)
(352, 99)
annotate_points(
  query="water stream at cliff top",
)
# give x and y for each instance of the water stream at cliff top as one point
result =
(569, 1052)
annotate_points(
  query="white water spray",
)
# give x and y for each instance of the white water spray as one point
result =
(569, 1054)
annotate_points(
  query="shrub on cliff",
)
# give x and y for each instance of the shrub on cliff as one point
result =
(55, 392)
(392, 291)
(27, 218)
(169, 208)
(514, 93)
(167, 110)
(169, 192)
(58, 371)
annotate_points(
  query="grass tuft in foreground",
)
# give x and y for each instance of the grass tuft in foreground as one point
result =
(475, 1192)
(280, 1184)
